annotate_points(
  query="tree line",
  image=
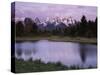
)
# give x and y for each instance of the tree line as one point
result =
(82, 28)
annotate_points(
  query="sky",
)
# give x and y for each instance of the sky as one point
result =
(43, 10)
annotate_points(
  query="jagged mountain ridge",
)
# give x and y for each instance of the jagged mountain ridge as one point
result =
(51, 24)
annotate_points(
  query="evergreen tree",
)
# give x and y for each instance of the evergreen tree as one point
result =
(30, 26)
(83, 26)
(19, 28)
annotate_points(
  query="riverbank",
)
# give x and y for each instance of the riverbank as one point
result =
(39, 66)
(61, 38)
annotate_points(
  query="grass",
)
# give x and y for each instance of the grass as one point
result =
(59, 38)
(38, 66)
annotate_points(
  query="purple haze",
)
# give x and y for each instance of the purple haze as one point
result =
(43, 10)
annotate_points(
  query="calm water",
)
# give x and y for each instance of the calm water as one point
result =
(68, 53)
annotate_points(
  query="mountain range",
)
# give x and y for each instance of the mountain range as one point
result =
(51, 24)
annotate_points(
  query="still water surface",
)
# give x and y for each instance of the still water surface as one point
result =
(68, 53)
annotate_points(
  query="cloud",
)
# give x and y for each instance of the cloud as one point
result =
(42, 10)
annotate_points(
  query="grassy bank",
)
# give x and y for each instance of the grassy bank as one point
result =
(59, 38)
(38, 66)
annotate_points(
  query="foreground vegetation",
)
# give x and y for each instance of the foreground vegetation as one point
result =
(38, 66)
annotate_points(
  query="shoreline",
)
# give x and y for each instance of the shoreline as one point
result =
(59, 39)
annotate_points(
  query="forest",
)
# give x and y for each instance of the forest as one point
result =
(83, 28)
